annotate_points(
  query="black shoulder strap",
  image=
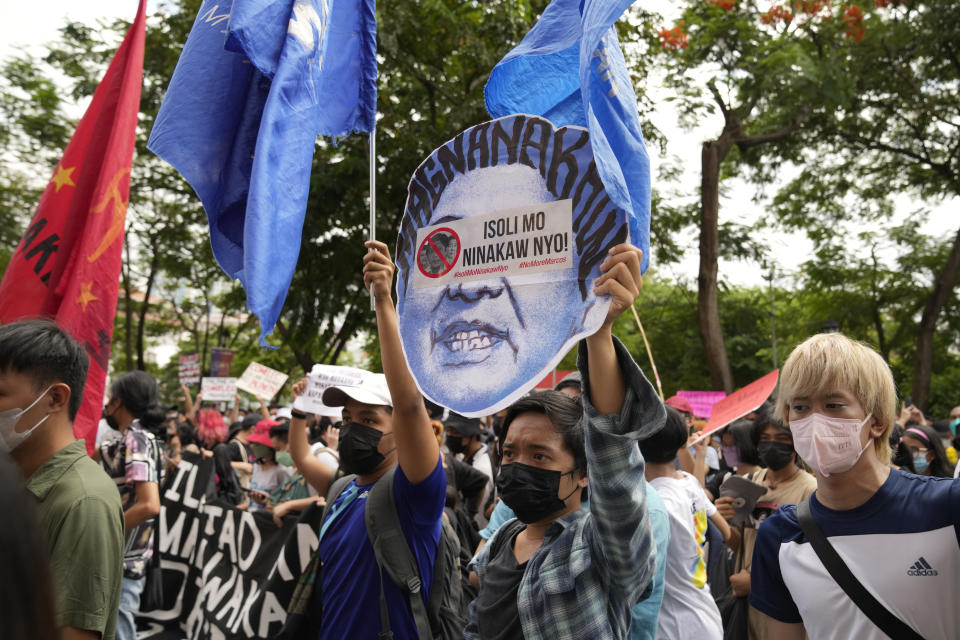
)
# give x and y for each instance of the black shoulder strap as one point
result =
(393, 553)
(870, 606)
(504, 535)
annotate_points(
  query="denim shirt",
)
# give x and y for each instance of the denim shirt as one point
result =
(595, 563)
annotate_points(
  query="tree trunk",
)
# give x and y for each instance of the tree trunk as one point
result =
(127, 303)
(142, 318)
(708, 314)
(923, 356)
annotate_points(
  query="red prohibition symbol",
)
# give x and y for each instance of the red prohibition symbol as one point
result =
(438, 253)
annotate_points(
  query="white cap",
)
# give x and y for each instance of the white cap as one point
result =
(284, 412)
(370, 389)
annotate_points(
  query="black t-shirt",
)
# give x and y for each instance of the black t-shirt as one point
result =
(497, 614)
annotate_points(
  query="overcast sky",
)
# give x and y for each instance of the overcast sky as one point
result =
(24, 25)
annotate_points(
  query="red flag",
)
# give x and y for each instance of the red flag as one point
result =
(67, 265)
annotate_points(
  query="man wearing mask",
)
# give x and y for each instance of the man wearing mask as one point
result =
(385, 426)
(559, 571)
(463, 440)
(42, 374)
(885, 533)
(786, 483)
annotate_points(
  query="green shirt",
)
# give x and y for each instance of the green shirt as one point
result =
(79, 513)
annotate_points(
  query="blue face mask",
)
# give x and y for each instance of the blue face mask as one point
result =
(954, 425)
(920, 462)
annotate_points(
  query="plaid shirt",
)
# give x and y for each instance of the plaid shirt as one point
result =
(594, 564)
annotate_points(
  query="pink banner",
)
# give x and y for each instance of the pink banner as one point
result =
(702, 401)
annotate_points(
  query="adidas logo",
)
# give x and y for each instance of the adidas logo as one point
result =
(921, 568)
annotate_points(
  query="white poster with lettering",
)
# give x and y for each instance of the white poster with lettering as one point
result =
(321, 377)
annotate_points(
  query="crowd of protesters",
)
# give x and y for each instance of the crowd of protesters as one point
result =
(590, 511)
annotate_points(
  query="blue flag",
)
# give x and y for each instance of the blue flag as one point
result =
(255, 85)
(569, 69)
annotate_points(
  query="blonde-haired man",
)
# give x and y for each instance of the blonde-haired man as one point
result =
(896, 532)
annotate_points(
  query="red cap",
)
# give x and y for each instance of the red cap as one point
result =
(678, 403)
(261, 434)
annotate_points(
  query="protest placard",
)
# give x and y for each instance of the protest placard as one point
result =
(261, 381)
(531, 239)
(321, 377)
(189, 369)
(503, 234)
(702, 401)
(740, 403)
(218, 389)
(220, 362)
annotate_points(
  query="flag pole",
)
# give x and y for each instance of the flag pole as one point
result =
(373, 199)
(656, 375)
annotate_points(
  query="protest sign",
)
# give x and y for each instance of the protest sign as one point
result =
(321, 377)
(702, 401)
(533, 239)
(503, 233)
(740, 403)
(262, 382)
(226, 573)
(219, 389)
(220, 362)
(552, 378)
(189, 369)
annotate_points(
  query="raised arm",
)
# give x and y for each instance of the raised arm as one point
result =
(620, 406)
(189, 406)
(316, 473)
(417, 449)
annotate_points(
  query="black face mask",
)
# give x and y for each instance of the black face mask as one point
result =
(455, 444)
(775, 455)
(111, 421)
(358, 448)
(530, 491)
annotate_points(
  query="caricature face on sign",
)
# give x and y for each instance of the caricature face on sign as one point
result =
(504, 230)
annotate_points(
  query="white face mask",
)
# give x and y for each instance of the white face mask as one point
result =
(9, 438)
(829, 445)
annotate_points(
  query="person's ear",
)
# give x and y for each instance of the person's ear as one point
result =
(583, 481)
(876, 428)
(58, 398)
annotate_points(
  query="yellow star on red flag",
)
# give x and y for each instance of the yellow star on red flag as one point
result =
(86, 295)
(62, 177)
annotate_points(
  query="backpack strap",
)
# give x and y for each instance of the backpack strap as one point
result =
(841, 574)
(504, 535)
(393, 553)
(335, 490)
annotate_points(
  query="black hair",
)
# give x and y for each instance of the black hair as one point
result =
(281, 431)
(939, 467)
(26, 587)
(434, 410)
(44, 352)
(565, 415)
(742, 432)
(137, 391)
(760, 425)
(663, 445)
(899, 453)
(187, 434)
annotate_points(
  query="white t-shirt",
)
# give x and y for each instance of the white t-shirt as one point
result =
(902, 544)
(323, 453)
(688, 609)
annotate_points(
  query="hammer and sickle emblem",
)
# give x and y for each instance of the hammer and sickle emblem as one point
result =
(119, 213)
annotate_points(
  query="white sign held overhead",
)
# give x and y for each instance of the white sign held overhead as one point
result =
(262, 382)
(321, 377)
(218, 389)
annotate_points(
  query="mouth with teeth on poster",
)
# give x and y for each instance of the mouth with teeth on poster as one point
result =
(466, 343)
